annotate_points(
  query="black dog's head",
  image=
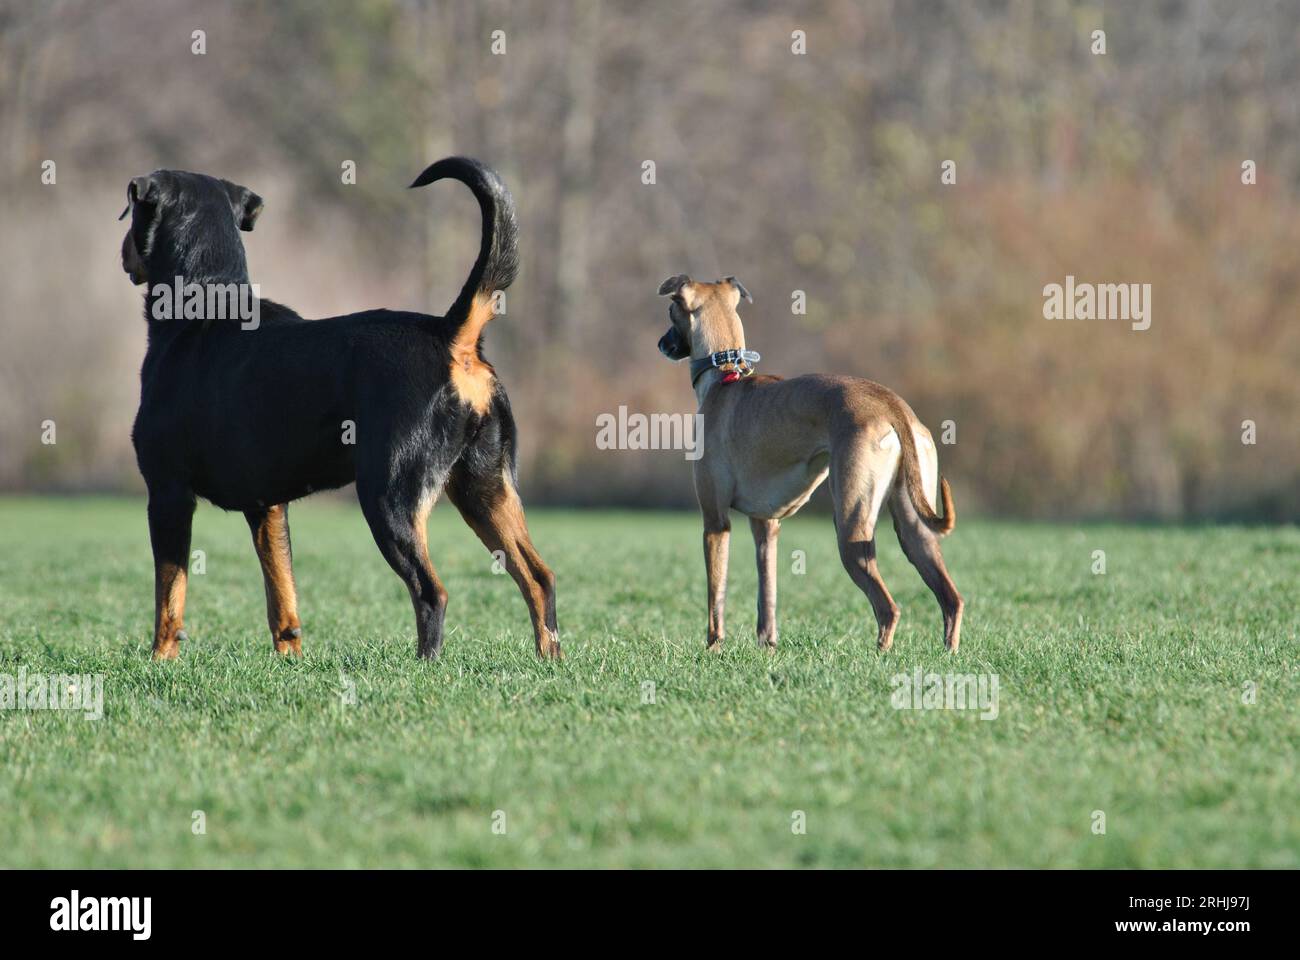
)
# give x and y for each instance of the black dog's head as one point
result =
(186, 224)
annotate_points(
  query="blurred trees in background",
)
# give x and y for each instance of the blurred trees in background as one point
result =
(817, 172)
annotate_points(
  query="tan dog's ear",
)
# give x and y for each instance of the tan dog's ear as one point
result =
(682, 289)
(740, 288)
(673, 284)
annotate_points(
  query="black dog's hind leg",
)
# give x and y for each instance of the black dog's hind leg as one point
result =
(171, 514)
(397, 521)
(490, 505)
(270, 528)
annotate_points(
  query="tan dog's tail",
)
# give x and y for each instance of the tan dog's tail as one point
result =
(911, 465)
(498, 256)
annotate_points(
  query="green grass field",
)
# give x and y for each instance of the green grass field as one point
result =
(1121, 693)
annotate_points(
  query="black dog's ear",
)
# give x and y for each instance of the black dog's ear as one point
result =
(139, 190)
(673, 284)
(740, 288)
(247, 205)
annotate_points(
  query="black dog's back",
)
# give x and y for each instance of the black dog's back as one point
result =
(271, 415)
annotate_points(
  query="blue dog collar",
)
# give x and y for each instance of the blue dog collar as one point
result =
(744, 361)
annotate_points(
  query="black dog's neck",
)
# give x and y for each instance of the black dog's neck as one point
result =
(174, 258)
(196, 252)
(198, 267)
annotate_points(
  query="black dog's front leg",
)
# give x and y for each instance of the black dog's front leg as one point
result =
(171, 514)
(270, 528)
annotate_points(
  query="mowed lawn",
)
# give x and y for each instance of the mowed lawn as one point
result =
(1125, 693)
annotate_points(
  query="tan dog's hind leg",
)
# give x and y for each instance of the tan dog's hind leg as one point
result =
(765, 534)
(921, 545)
(270, 529)
(860, 477)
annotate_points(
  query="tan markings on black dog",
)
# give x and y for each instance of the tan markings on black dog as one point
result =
(471, 375)
(430, 581)
(421, 524)
(271, 540)
(497, 516)
(769, 443)
(169, 610)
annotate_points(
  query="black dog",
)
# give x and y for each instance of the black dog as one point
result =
(251, 417)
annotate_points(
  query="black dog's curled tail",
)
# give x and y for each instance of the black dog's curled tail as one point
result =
(498, 256)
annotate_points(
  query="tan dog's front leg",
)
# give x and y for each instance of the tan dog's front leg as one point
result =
(717, 537)
(765, 534)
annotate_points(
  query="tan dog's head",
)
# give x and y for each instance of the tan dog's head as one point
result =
(703, 315)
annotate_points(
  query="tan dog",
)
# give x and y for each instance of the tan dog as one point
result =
(769, 443)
